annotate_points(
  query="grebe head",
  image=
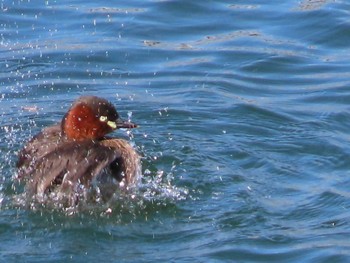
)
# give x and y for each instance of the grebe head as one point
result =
(91, 117)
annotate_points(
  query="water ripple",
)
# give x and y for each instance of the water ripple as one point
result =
(243, 113)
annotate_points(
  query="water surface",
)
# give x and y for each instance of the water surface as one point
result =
(243, 108)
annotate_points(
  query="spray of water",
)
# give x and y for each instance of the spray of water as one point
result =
(153, 190)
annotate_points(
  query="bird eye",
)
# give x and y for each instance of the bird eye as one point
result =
(103, 118)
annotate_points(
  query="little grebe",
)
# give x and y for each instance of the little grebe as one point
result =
(72, 153)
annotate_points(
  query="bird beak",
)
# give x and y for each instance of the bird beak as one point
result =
(121, 124)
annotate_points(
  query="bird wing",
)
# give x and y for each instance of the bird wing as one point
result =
(128, 166)
(73, 163)
(40, 145)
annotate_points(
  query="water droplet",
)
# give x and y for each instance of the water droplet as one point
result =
(129, 115)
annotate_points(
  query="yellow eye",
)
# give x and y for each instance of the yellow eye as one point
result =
(103, 118)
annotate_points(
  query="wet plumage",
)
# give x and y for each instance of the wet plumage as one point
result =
(69, 155)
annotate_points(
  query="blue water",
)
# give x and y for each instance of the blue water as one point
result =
(244, 113)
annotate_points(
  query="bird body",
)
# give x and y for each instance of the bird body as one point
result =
(71, 154)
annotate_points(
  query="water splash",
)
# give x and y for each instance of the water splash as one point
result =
(153, 191)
